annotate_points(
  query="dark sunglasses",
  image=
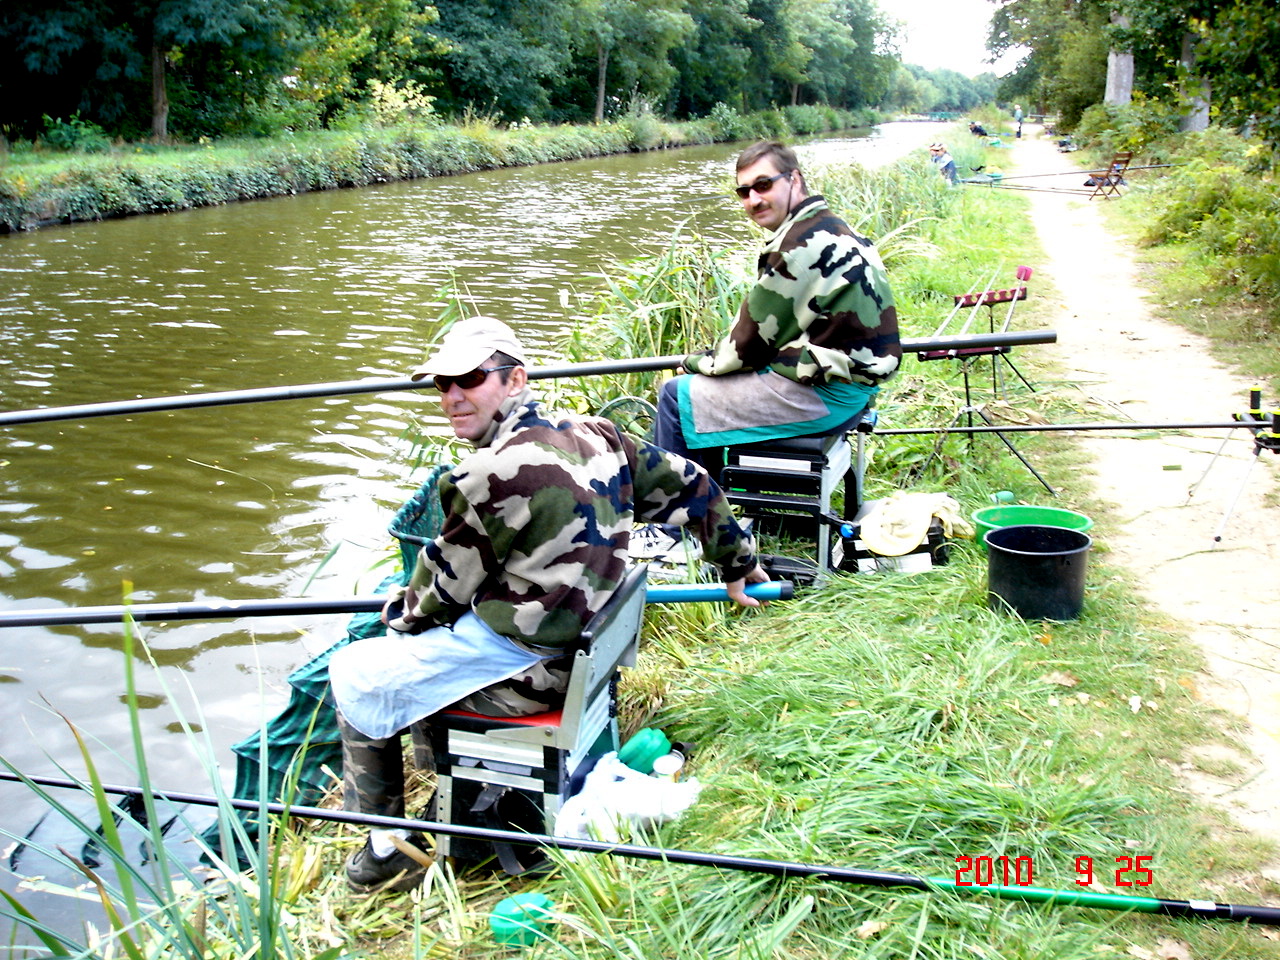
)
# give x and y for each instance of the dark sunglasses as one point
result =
(470, 380)
(761, 185)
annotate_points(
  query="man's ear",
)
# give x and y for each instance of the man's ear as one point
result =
(516, 382)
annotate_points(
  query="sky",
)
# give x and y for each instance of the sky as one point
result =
(947, 34)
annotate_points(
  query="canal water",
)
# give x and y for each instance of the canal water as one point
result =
(278, 499)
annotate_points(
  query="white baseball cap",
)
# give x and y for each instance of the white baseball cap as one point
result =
(467, 345)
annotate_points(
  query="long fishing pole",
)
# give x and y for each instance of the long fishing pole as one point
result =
(231, 609)
(337, 388)
(1075, 173)
(1055, 427)
(1198, 909)
(308, 390)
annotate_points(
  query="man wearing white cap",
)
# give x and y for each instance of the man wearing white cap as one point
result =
(535, 540)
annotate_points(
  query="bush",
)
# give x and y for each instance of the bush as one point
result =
(1211, 202)
(728, 123)
(1135, 126)
(75, 135)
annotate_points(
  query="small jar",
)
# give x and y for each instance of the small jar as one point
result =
(668, 766)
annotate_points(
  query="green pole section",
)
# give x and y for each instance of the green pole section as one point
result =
(1057, 898)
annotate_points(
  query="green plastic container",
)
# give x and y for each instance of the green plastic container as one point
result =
(987, 519)
(646, 746)
(522, 920)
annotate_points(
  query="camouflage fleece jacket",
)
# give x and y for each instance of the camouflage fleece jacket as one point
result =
(820, 310)
(538, 520)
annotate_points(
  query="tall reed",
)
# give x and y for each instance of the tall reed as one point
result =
(156, 904)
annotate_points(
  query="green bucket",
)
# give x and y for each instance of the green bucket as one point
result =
(1017, 514)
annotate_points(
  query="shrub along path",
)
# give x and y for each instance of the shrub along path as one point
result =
(1127, 363)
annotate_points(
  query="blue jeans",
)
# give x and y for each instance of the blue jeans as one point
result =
(669, 434)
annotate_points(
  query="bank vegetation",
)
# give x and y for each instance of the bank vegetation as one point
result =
(40, 188)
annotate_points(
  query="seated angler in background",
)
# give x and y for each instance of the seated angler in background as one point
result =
(939, 154)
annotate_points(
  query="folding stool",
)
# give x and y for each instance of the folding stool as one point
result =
(797, 477)
(514, 773)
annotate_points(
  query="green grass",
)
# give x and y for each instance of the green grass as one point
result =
(1190, 291)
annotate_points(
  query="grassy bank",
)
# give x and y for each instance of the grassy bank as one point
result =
(39, 188)
(885, 722)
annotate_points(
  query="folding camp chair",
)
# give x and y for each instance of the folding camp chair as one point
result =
(1108, 184)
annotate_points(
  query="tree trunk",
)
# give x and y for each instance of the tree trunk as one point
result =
(1119, 69)
(1196, 90)
(159, 96)
(602, 68)
(795, 94)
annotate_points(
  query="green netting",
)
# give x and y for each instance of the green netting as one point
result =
(301, 746)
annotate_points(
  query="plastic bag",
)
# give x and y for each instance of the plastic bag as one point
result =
(614, 796)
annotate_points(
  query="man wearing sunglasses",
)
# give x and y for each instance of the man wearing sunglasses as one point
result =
(535, 540)
(812, 342)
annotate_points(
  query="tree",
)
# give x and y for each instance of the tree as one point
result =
(1240, 49)
(112, 60)
(503, 55)
(345, 45)
(633, 38)
(711, 63)
(818, 29)
(1067, 67)
(1163, 30)
(872, 67)
(1119, 64)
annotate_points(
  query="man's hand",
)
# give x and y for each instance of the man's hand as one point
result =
(738, 588)
(397, 612)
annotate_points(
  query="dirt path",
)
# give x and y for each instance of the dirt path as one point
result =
(1129, 365)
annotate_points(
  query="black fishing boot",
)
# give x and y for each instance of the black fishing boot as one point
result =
(398, 872)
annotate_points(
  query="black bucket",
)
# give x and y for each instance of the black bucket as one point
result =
(1037, 571)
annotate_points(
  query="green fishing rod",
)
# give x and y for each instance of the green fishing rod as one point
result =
(338, 388)
(1193, 909)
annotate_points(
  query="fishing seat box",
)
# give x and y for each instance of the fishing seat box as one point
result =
(788, 487)
(514, 773)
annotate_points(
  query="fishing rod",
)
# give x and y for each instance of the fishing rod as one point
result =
(231, 609)
(1054, 427)
(1196, 909)
(338, 388)
(309, 390)
(1074, 173)
(1000, 185)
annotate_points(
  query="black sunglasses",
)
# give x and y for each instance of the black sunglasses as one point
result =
(469, 380)
(760, 185)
